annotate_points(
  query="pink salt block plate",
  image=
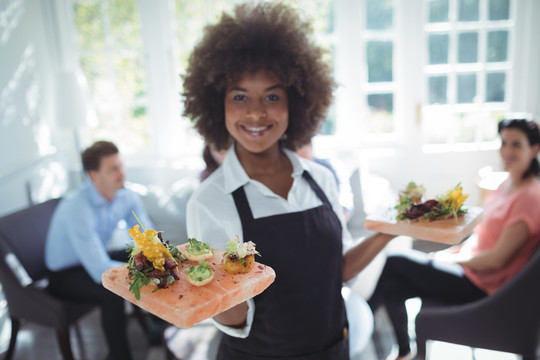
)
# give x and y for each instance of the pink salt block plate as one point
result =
(184, 304)
(448, 231)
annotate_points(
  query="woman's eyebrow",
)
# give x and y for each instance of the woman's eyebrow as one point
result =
(278, 86)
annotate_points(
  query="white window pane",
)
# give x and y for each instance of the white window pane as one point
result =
(438, 89)
(438, 11)
(379, 14)
(89, 26)
(379, 60)
(468, 10)
(499, 9)
(109, 42)
(468, 47)
(466, 88)
(381, 109)
(495, 87)
(497, 46)
(438, 48)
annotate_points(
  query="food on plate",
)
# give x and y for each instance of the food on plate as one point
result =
(239, 258)
(197, 250)
(413, 192)
(184, 304)
(151, 261)
(201, 274)
(447, 205)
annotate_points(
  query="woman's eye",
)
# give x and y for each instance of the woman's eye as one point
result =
(273, 97)
(239, 97)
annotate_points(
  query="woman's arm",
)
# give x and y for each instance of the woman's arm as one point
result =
(234, 317)
(358, 257)
(511, 240)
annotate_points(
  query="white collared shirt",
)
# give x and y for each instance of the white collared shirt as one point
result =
(212, 216)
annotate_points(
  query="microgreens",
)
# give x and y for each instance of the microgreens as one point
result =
(197, 247)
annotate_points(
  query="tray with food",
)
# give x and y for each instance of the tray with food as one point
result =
(443, 219)
(187, 284)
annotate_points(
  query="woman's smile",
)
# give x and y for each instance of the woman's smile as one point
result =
(256, 130)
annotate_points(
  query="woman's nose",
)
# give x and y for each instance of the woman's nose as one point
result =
(256, 110)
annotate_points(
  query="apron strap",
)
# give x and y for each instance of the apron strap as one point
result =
(315, 187)
(242, 205)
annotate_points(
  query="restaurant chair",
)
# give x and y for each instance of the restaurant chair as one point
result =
(23, 277)
(508, 320)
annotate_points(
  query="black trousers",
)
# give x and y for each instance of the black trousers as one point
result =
(413, 275)
(76, 285)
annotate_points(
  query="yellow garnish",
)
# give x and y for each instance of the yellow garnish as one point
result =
(151, 246)
(454, 199)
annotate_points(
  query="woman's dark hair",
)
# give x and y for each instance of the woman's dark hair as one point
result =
(211, 163)
(262, 36)
(530, 128)
(91, 157)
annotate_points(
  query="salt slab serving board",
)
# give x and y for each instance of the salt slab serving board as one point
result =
(184, 304)
(448, 231)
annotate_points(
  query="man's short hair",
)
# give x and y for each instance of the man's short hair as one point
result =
(91, 157)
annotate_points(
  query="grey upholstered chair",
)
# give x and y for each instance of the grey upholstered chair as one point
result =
(22, 271)
(508, 320)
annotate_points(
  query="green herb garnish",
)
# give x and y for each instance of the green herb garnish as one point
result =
(138, 280)
(200, 272)
(197, 247)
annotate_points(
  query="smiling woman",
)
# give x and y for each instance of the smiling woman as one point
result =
(259, 81)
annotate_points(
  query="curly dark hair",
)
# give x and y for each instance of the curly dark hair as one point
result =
(91, 157)
(262, 36)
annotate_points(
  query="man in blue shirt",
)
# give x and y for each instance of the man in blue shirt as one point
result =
(80, 231)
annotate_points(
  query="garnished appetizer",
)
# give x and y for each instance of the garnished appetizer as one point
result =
(413, 192)
(239, 258)
(151, 261)
(444, 206)
(201, 274)
(197, 250)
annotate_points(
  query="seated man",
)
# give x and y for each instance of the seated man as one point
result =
(80, 231)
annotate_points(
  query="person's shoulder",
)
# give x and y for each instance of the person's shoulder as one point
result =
(75, 197)
(532, 192)
(317, 170)
(211, 188)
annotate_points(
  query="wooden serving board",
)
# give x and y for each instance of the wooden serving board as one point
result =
(448, 231)
(184, 304)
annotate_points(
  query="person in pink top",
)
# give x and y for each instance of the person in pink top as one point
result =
(501, 244)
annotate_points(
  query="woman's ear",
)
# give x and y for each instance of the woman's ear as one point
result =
(535, 149)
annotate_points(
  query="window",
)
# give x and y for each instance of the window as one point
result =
(119, 43)
(467, 69)
(109, 45)
(379, 86)
(455, 63)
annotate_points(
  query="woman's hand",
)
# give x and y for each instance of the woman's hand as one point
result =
(234, 317)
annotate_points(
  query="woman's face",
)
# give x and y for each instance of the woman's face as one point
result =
(516, 152)
(256, 111)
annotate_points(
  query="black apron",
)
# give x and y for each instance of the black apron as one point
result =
(302, 314)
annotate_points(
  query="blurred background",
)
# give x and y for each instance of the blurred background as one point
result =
(422, 84)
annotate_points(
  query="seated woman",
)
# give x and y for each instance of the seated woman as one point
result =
(501, 245)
